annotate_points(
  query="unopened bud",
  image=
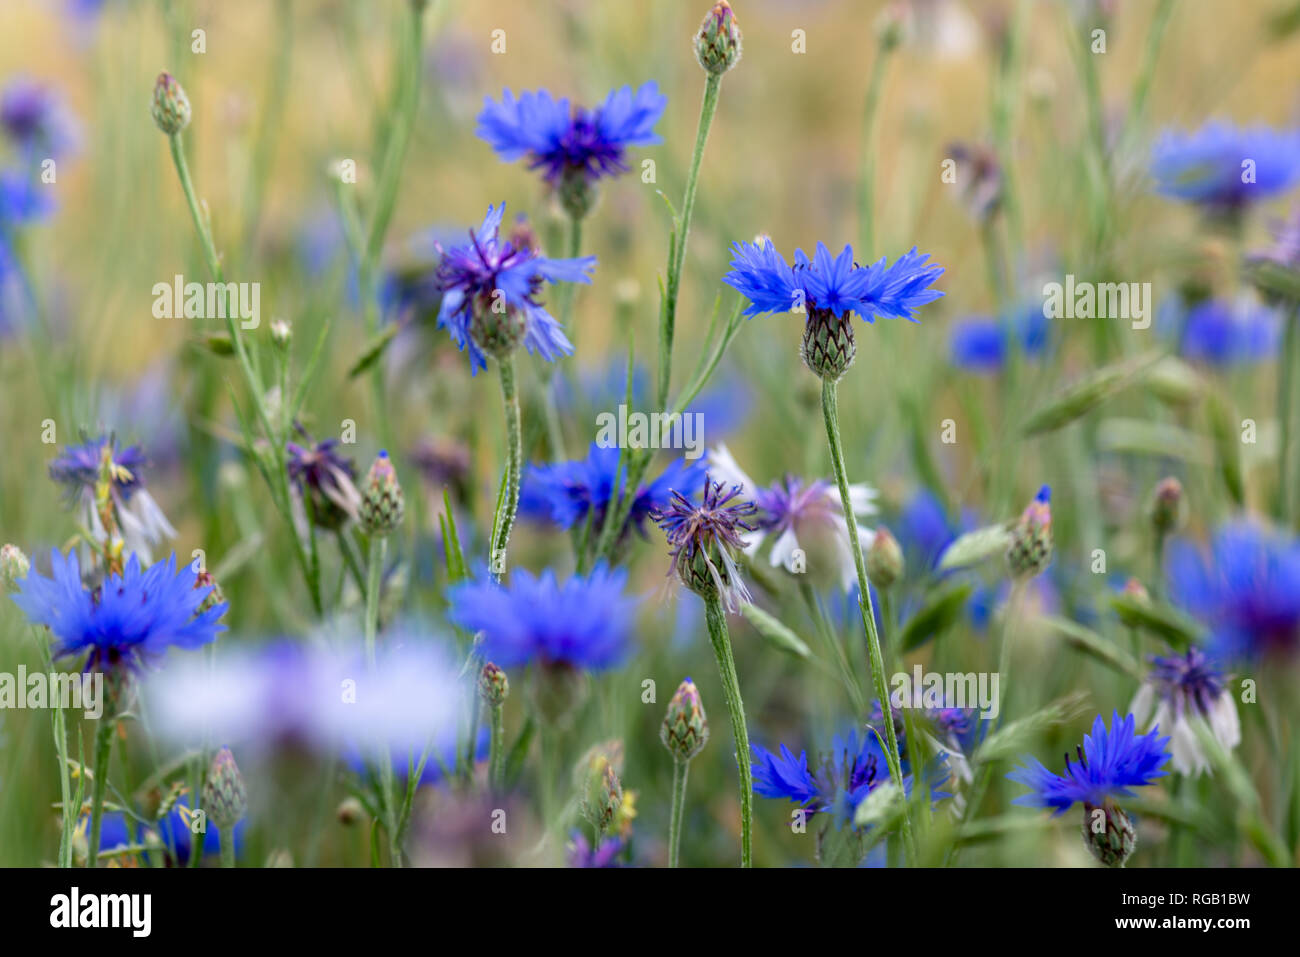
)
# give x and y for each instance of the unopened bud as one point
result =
(1168, 506)
(349, 812)
(171, 107)
(382, 501)
(884, 559)
(1031, 538)
(685, 730)
(224, 797)
(493, 686)
(14, 566)
(718, 42)
(281, 333)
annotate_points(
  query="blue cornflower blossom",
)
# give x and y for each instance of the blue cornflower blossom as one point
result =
(855, 766)
(1179, 689)
(173, 832)
(1246, 589)
(1208, 166)
(584, 623)
(1109, 764)
(979, 343)
(702, 538)
(489, 295)
(1221, 332)
(129, 620)
(604, 854)
(141, 522)
(835, 286)
(35, 119)
(567, 492)
(22, 200)
(572, 142)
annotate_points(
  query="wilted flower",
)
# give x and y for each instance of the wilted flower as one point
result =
(702, 538)
(979, 178)
(325, 480)
(1179, 689)
(489, 295)
(1224, 168)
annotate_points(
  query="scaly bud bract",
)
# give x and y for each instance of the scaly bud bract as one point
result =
(224, 797)
(171, 107)
(718, 42)
(1031, 538)
(885, 563)
(685, 730)
(382, 501)
(493, 686)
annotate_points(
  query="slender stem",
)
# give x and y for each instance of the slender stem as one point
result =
(374, 571)
(874, 87)
(103, 752)
(1286, 414)
(830, 410)
(680, 771)
(497, 755)
(514, 457)
(718, 636)
(668, 320)
(228, 847)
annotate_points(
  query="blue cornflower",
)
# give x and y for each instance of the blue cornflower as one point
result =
(1221, 332)
(842, 779)
(178, 838)
(35, 119)
(604, 854)
(584, 623)
(139, 519)
(129, 620)
(1223, 167)
(567, 492)
(1246, 589)
(1108, 765)
(489, 295)
(702, 538)
(567, 142)
(22, 200)
(835, 286)
(1179, 689)
(979, 343)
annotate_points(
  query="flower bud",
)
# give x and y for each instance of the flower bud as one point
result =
(1168, 506)
(281, 334)
(171, 107)
(349, 812)
(382, 502)
(884, 559)
(224, 797)
(204, 579)
(829, 344)
(1109, 833)
(603, 794)
(493, 686)
(718, 43)
(14, 566)
(685, 730)
(1031, 538)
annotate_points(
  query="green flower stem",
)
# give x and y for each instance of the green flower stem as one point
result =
(681, 769)
(830, 410)
(716, 618)
(280, 491)
(1286, 416)
(103, 753)
(60, 729)
(1150, 55)
(227, 847)
(497, 754)
(374, 571)
(514, 457)
(567, 293)
(868, 197)
(677, 252)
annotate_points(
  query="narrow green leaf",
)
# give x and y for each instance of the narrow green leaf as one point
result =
(1077, 400)
(1090, 643)
(975, 547)
(373, 350)
(941, 610)
(775, 631)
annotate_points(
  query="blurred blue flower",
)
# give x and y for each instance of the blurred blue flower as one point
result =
(35, 119)
(1109, 763)
(567, 492)
(1209, 166)
(1221, 333)
(22, 200)
(979, 343)
(833, 285)
(1183, 687)
(605, 854)
(178, 838)
(472, 277)
(563, 140)
(1246, 589)
(584, 623)
(129, 620)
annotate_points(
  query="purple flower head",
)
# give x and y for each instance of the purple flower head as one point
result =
(22, 200)
(702, 537)
(584, 623)
(1179, 689)
(1246, 588)
(35, 119)
(831, 285)
(1108, 764)
(1225, 168)
(494, 278)
(129, 620)
(324, 477)
(567, 492)
(605, 854)
(980, 344)
(571, 141)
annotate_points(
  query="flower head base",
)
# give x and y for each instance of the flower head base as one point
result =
(702, 538)
(224, 796)
(584, 623)
(171, 107)
(490, 290)
(1108, 833)
(127, 621)
(828, 290)
(14, 566)
(1110, 763)
(718, 42)
(493, 685)
(685, 730)
(1223, 168)
(572, 146)
(1181, 689)
(382, 502)
(325, 480)
(1031, 539)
